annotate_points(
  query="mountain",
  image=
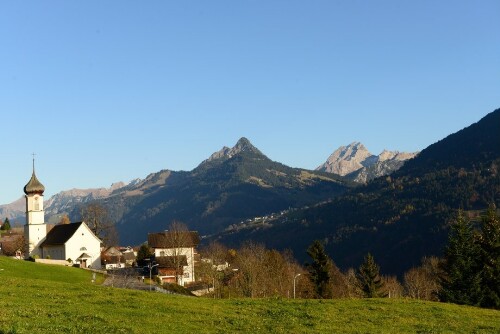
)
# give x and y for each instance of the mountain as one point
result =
(15, 211)
(399, 218)
(226, 153)
(356, 163)
(65, 201)
(232, 185)
(348, 159)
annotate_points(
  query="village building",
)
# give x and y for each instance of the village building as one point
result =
(112, 258)
(174, 253)
(117, 257)
(74, 242)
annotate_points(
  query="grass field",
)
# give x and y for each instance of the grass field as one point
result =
(36, 298)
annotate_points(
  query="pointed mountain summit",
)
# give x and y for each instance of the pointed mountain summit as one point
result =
(243, 145)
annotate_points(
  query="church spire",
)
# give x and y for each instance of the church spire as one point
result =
(34, 186)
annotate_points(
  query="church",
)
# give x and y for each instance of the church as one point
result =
(73, 242)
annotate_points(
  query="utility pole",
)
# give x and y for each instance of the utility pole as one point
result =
(150, 270)
(294, 278)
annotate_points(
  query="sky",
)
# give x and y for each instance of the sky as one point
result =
(107, 91)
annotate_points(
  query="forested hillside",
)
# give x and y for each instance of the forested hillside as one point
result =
(402, 217)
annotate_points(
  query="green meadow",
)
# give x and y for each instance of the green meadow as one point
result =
(36, 298)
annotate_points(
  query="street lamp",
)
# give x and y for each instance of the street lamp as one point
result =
(151, 269)
(294, 278)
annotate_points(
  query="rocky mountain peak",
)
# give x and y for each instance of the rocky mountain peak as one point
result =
(357, 163)
(243, 145)
(386, 155)
(347, 159)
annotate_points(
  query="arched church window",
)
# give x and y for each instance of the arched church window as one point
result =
(37, 205)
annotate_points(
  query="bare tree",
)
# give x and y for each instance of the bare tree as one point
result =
(12, 244)
(414, 280)
(393, 288)
(97, 219)
(339, 282)
(266, 273)
(249, 262)
(214, 266)
(352, 284)
(279, 272)
(64, 220)
(423, 282)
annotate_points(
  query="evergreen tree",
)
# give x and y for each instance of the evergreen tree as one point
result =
(319, 269)
(461, 281)
(369, 280)
(143, 253)
(6, 225)
(489, 243)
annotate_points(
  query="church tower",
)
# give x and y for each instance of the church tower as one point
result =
(35, 229)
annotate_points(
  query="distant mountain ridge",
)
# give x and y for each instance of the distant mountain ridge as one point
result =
(66, 200)
(60, 203)
(356, 163)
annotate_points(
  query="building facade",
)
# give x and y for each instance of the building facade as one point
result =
(174, 253)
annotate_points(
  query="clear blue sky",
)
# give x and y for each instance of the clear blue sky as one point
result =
(106, 91)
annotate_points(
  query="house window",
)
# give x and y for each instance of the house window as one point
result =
(162, 253)
(186, 275)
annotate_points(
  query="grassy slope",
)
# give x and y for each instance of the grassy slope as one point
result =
(37, 298)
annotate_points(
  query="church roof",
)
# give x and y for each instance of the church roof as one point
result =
(34, 186)
(171, 239)
(59, 234)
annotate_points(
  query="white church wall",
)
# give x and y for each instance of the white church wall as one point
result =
(56, 262)
(56, 252)
(84, 241)
(34, 209)
(34, 236)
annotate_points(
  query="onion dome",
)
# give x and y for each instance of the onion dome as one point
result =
(34, 186)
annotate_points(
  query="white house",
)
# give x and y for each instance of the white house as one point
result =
(174, 252)
(70, 241)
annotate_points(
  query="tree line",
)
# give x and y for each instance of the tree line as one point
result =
(469, 272)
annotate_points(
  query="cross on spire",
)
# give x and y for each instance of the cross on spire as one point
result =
(33, 161)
